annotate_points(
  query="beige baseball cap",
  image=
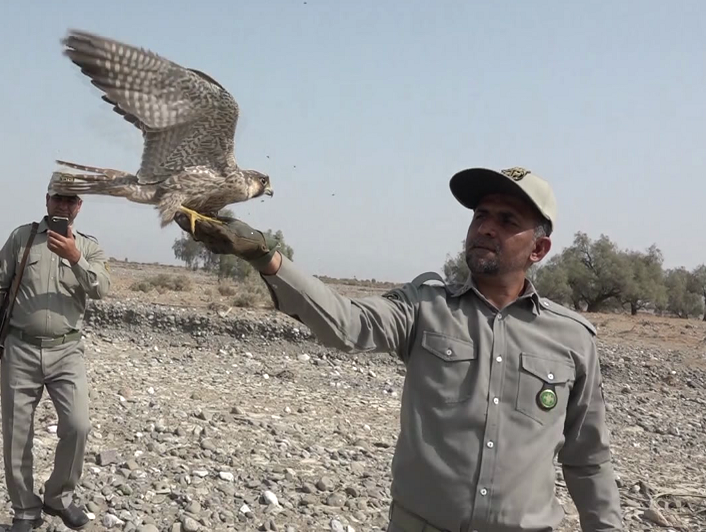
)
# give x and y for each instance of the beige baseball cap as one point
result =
(55, 178)
(470, 185)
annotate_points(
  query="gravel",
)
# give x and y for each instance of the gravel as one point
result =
(245, 422)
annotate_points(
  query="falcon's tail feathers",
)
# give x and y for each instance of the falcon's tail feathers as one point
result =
(107, 172)
(105, 185)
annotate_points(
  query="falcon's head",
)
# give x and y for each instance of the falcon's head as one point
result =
(259, 184)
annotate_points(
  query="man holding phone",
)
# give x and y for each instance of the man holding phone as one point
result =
(44, 347)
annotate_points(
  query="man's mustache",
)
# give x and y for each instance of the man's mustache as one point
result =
(484, 244)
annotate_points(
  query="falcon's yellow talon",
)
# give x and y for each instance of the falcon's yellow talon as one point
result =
(193, 216)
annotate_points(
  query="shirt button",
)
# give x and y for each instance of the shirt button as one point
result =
(484, 492)
(550, 376)
(500, 316)
(449, 352)
(490, 444)
(499, 359)
(496, 400)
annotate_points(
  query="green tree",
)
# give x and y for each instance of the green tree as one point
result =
(455, 269)
(681, 299)
(698, 284)
(188, 250)
(552, 281)
(596, 271)
(645, 284)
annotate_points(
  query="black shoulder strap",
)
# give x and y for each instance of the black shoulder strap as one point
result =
(9, 302)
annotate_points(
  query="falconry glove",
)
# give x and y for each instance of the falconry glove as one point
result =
(230, 238)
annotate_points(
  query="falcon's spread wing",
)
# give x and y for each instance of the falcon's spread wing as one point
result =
(187, 118)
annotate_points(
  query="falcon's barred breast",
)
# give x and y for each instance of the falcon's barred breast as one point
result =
(187, 120)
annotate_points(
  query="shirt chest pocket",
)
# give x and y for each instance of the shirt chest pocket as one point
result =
(444, 368)
(544, 385)
(32, 266)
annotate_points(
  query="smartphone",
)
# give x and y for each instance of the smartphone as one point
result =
(59, 224)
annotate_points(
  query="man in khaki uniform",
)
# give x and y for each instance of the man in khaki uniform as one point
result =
(44, 348)
(499, 379)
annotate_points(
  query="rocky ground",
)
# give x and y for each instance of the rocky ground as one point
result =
(208, 416)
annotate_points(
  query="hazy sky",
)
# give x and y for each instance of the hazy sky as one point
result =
(380, 103)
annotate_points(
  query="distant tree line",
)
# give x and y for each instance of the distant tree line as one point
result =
(196, 256)
(596, 275)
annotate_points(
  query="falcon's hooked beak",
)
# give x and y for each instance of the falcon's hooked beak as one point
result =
(268, 191)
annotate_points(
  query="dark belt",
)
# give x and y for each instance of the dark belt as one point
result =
(43, 341)
(409, 522)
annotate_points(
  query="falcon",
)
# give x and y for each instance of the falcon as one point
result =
(187, 120)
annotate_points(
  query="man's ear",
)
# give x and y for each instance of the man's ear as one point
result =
(541, 249)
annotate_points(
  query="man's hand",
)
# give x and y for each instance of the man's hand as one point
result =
(64, 246)
(232, 238)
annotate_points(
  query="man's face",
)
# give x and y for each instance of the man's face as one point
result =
(501, 238)
(68, 206)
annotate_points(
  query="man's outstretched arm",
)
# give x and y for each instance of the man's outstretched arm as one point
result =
(376, 323)
(351, 324)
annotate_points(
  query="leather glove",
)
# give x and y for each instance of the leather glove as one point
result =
(231, 237)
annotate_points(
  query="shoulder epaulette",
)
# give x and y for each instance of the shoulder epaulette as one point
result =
(417, 282)
(561, 310)
(422, 278)
(90, 237)
(24, 227)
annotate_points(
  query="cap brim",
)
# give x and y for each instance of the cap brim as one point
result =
(65, 195)
(471, 185)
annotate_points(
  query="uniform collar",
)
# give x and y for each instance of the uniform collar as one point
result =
(530, 293)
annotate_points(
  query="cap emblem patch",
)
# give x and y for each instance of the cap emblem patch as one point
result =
(515, 173)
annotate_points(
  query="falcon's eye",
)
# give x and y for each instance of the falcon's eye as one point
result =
(263, 180)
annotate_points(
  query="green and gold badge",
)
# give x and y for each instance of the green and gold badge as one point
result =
(546, 398)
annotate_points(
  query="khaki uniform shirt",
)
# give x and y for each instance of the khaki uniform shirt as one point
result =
(476, 449)
(52, 296)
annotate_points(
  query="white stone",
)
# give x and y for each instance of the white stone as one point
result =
(226, 475)
(270, 498)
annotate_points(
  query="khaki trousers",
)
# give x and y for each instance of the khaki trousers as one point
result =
(26, 370)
